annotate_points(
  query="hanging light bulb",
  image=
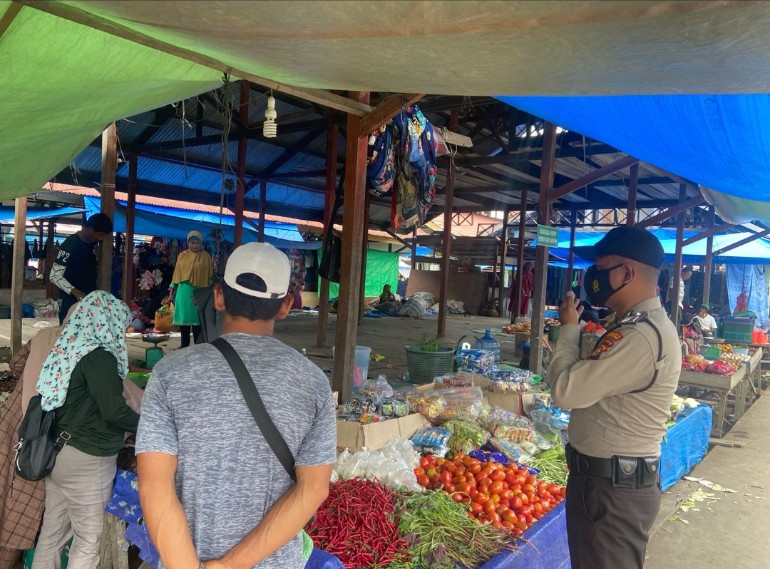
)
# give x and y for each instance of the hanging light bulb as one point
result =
(269, 128)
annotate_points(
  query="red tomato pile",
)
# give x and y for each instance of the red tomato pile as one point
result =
(504, 496)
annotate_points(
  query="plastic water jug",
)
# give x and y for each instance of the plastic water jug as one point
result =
(487, 342)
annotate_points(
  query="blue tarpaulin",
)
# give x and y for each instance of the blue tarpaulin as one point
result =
(755, 252)
(751, 279)
(34, 213)
(175, 224)
(684, 445)
(710, 139)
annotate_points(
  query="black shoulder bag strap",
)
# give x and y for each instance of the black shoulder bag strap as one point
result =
(257, 407)
(65, 436)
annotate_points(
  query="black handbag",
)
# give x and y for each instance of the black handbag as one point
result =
(38, 444)
(250, 393)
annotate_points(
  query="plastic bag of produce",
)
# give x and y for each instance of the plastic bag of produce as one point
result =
(549, 420)
(432, 440)
(506, 425)
(376, 388)
(466, 436)
(475, 361)
(511, 450)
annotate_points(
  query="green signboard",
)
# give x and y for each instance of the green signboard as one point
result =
(547, 236)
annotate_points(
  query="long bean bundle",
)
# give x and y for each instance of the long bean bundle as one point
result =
(441, 534)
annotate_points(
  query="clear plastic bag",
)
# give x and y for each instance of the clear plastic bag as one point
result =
(466, 436)
(441, 405)
(508, 426)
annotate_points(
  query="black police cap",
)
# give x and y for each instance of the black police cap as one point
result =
(626, 241)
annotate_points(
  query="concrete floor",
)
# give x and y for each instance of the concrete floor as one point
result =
(386, 336)
(729, 529)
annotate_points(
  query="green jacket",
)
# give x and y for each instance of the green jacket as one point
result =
(101, 431)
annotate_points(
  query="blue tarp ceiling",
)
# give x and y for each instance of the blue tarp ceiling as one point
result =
(175, 224)
(35, 213)
(718, 141)
(755, 252)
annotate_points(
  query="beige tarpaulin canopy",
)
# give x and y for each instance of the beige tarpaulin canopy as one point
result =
(69, 68)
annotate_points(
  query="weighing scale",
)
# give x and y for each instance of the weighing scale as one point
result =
(155, 354)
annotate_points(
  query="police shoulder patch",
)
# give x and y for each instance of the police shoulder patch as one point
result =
(608, 341)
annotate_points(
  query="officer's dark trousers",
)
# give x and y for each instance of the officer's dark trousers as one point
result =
(608, 527)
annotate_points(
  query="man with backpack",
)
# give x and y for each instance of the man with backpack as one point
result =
(216, 487)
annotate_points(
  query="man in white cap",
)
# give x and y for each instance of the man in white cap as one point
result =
(214, 493)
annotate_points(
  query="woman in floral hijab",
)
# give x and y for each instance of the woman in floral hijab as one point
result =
(85, 368)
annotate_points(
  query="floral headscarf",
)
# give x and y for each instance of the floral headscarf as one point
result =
(99, 321)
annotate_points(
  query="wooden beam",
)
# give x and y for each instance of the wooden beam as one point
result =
(109, 166)
(240, 190)
(364, 251)
(503, 256)
(332, 136)
(633, 185)
(128, 254)
(520, 255)
(675, 310)
(353, 240)
(18, 268)
(672, 211)
(541, 258)
(742, 242)
(10, 15)
(602, 172)
(84, 18)
(707, 260)
(709, 233)
(51, 290)
(386, 110)
(572, 228)
(446, 250)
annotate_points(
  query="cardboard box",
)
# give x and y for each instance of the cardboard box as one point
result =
(354, 436)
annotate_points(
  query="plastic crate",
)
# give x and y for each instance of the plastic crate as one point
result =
(737, 330)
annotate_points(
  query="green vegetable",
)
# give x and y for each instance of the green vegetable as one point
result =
(442, 535)
(552, 465)
(428, 345)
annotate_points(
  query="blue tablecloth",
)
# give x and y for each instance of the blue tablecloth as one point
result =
(684, 445)
(544, 547)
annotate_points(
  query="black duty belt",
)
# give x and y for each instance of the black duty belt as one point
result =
(623, 471)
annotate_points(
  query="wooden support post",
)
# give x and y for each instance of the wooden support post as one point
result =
(109, 165)
(446, 250)
(50, 255)
(243, 142)
(541, 259)
(707, 260)
(128, 255)
(503, 256)
(262, 209)
(329, 196)
(573, 228)
(17, 271)
(353, 238)
(364, 252)
(414, 249)
(675, 310)
(520, 255)
(633, 185)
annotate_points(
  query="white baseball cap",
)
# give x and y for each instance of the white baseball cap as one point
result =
(261, 260)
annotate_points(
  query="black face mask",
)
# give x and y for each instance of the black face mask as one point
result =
(597, 285)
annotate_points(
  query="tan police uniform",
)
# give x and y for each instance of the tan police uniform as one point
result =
(619, 400)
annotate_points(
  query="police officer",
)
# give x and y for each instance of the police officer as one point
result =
(620, 398)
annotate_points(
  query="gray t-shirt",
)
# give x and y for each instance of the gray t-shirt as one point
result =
(227, 476)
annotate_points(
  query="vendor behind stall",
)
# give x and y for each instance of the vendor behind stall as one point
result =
(387, 302)
(708, 326)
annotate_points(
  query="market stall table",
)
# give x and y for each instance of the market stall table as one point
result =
(724, 385)
(684, 445)
(543, 546)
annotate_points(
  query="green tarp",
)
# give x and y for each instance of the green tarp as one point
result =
(381, 269)
(62, 83)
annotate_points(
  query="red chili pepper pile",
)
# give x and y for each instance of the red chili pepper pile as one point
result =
(355, 524)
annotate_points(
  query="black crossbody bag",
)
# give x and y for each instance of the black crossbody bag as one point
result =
(38, 443)
(250, 393)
